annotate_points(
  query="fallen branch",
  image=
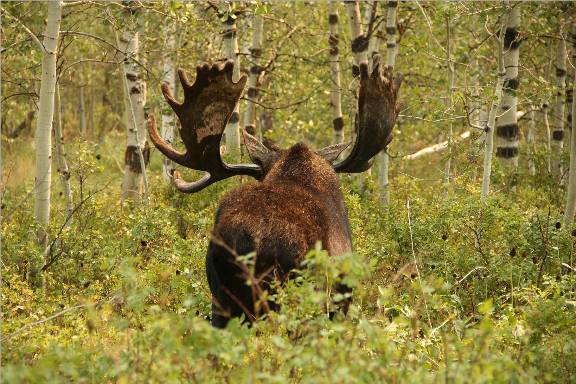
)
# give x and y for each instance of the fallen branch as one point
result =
(436, 147)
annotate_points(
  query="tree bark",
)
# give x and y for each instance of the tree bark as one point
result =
(43, 180)
(558, 107)
(255, 71)
(374, 39)
(60, 151)
(530, 140)
(335, 92)
(507, 123)
(489, 146)
(571, 192)
(359, 40)
(137, 151)
(447, 168)
(169, 78)
(383, 160)
(82, 111)
(230, 52)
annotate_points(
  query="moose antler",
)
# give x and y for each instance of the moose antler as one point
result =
(377, 112)
(207, 107)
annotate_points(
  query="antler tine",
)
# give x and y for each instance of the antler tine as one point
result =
(161, 144)
(176, 106)
(184, 78)
(190, 187)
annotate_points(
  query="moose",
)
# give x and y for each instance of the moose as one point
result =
(297, 201)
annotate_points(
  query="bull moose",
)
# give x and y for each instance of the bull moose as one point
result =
(297, 201)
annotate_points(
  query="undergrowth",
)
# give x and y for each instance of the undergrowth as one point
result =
(445, 289)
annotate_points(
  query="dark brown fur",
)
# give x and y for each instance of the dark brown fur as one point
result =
(280, 219)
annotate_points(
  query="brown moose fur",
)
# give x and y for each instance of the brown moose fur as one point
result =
(280, 219)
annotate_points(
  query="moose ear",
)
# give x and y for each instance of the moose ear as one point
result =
(331, 153)
(258, 152)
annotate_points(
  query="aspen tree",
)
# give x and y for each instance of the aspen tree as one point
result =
(558, 107)
(43, 138)
(137, 150)
(230, 52)
(60, 151)
(507, 123)
(571, 192)
(383, 160)
(490, 125)
(255, 71)
(374, 34)
(359, 45)
(335, 91)
(82, 111)
(168, 77)
(530, 140)
(359, 40)
(450, 65)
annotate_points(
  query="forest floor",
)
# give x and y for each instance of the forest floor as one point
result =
(445, 288)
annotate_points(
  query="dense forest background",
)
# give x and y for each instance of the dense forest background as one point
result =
(110, 285)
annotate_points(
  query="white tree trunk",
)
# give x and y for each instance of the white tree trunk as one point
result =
(530, 140)
(546, 122)
(359, 41)
(374, 41)
(82, 111)
(255, 70)
(42, 182)
(137, 151)
(60, 151)
(571, 192)
(383, 160)
(489, 146)
(447, 168)
(230, 52)
(507, 123)
(335, 91)
(558, 107)
(169, 75)
(91, 127)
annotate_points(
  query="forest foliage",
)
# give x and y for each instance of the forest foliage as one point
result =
(446, 288)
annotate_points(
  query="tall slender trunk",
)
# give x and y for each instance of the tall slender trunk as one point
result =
(447, 168)
(335, 92)
(169, 78)
(530, 140)
(230, 52)
(359, 45)
(374, 39)
(383, 160)
(571, 192)
(82, 111)
(546, 108)
(91, 126)
(507, 123)
(60, 151)
(43, 180)
(489, 146)
(558, 107)
(359, 40)
(255, 70)
(135, 183)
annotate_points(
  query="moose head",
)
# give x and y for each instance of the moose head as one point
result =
(297, 201)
